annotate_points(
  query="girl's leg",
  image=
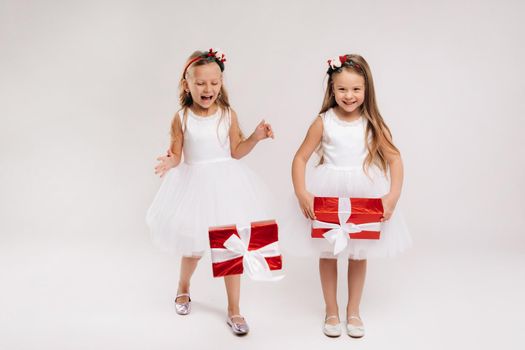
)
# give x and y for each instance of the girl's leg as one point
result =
(233, 290)
(187, 267)
(356, 282)
(328, 272)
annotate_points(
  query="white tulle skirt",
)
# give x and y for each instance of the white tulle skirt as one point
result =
(327, 180)
(194, 197)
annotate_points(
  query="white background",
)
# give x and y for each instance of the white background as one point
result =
(87, 93)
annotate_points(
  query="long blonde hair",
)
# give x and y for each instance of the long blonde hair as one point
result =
(378, 136)
(185, 99)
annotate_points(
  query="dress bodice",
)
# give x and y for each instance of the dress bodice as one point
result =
(343, 143)
(206, 139)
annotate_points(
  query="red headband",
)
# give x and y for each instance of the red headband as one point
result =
(217, 56)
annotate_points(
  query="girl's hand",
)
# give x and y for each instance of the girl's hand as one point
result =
(263, 131)
(389, 204)
(165, 163)
(306, 202)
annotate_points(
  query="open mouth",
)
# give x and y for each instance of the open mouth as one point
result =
(207, 97)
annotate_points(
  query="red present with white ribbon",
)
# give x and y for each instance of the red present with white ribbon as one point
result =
(341, 219)
(251, 248)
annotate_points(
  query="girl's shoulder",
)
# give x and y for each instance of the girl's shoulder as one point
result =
(182, 114)
(316, 128)
(318, 122)
(227, 115)
(229, 112)
(180, 118)
(326, 115)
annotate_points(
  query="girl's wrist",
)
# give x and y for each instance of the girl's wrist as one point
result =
(175, 162)
(301, 193)
(393, 195)
(253, 138)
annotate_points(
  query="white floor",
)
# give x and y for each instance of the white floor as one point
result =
(91, 296)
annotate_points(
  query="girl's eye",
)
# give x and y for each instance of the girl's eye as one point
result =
(341, 89)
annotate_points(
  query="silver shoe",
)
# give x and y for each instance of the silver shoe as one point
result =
(355, 331)
(238, 328)
(183, 308)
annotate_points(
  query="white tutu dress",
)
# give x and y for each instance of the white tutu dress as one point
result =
(209, 188)
(342, 175)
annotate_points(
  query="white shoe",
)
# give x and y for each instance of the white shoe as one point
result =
(355, 331)
(331, 330)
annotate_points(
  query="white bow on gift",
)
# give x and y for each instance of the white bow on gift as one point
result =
(253, 261)
(339, 234)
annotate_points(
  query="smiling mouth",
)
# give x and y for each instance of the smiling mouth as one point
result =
(207, 98)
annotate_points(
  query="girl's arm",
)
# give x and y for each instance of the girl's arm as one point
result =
(310, 143)
(240, 148)
(173, 158)
(395, 165)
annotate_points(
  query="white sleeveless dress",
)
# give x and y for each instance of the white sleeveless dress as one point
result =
(342, 175)
(209, 188)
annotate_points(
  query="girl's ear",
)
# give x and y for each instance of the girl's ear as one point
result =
(185, 85)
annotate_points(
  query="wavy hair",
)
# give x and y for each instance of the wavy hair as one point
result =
(377, 132)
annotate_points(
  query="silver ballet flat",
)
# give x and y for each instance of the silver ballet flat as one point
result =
(183, 308)
(331, 330)
(238, 328)
(355, 331)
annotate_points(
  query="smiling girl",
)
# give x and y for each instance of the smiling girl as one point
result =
(358, 159)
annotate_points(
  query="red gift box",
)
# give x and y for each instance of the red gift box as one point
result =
(254, 248)
(338, 219)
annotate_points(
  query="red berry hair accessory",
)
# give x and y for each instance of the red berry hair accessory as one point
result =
(210, 55)
(218, 55)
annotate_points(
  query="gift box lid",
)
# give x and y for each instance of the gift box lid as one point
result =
(363, 210)
(262, 234)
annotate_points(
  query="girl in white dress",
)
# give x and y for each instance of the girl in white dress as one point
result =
(204, 183)
(358, 159)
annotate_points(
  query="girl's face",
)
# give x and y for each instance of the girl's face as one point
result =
(349, 90)
(204, 84)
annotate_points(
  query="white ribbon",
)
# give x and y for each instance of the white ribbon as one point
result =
(339, 234)
(253, 261)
